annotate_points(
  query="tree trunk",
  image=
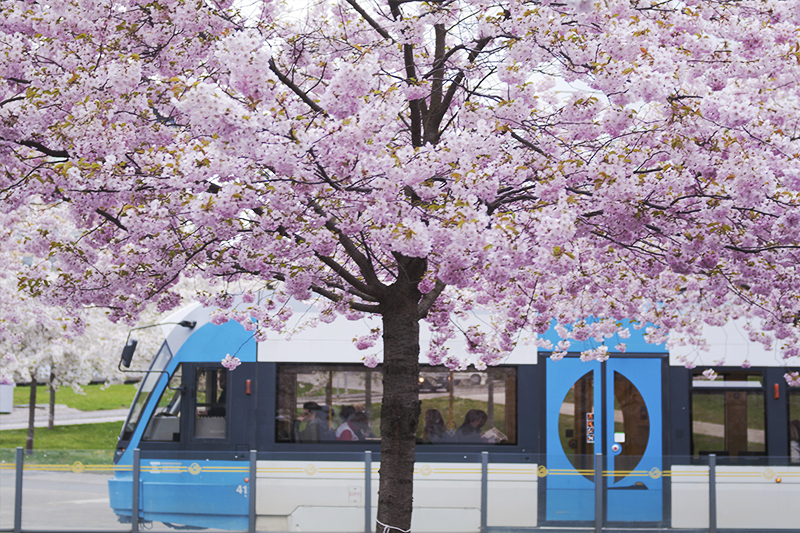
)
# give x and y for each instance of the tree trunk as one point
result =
(51, 418)
(400, 409)
(31, 417)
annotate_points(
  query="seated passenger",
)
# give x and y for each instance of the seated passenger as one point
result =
(434, 431)
(315, 425)
(470, 430)
(355, 428)
(345, 413)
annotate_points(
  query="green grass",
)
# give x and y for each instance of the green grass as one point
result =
(78, 437)
(707, 443)
(95, 398)
(61, 457)
(710, 407)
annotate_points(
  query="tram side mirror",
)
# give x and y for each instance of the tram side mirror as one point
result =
(127, 352)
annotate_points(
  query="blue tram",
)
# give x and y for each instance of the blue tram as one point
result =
(652, 420)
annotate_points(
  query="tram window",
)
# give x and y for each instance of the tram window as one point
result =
(576, 425)
(165, 425)
(211, 399)
(474, 407)
(728, 414)
(794, 425)
(318, 403)
(631, 422)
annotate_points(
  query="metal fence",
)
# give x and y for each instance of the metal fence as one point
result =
(66, 491)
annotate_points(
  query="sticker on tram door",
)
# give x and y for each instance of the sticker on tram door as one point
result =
(590, 428)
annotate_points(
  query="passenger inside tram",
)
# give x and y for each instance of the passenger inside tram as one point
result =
(470, 429)
(434, 431)
(315, 429)
(354, 388)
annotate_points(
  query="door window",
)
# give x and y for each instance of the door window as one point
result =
(631, 426)
(211, 401)
(576, 425)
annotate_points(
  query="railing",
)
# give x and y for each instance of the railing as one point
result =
(59, 491)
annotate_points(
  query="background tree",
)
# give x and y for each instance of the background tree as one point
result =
(49, 344)
(48, 348)
(549, 161)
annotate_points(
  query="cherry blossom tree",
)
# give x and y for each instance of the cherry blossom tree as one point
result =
(548, 161)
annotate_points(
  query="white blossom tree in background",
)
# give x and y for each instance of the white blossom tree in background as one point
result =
(49, 344)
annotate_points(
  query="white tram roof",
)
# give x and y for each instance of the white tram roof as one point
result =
(728, 345)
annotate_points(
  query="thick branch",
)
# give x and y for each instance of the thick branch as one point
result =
(365, 291)
(429, 299)
(112, 219)
(295, 89)
(383, 33)
(44, 149)
(528, 144)
(9, 100)
(437, 75)
(373, 285)
(432, 129)
(416, 113)
(332, 296)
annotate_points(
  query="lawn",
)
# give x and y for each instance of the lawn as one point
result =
(95, 398)
(78, 437)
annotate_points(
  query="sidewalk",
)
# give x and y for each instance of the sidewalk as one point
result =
(64, 416)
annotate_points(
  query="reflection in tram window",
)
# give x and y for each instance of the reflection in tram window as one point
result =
(576, 425)
(728, 414)
(165, 425)
(631, 425)
(794, 425)
(475, 407)
(349, 399)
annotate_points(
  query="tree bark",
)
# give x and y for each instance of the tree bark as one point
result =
(31, 417)
(400, 409)
(51, 417)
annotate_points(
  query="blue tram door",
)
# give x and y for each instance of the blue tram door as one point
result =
(612, 408)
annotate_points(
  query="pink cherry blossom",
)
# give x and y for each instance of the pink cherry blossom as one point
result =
(792, 379)
(231, 362)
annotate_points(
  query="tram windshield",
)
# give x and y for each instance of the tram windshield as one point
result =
(160, 362)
